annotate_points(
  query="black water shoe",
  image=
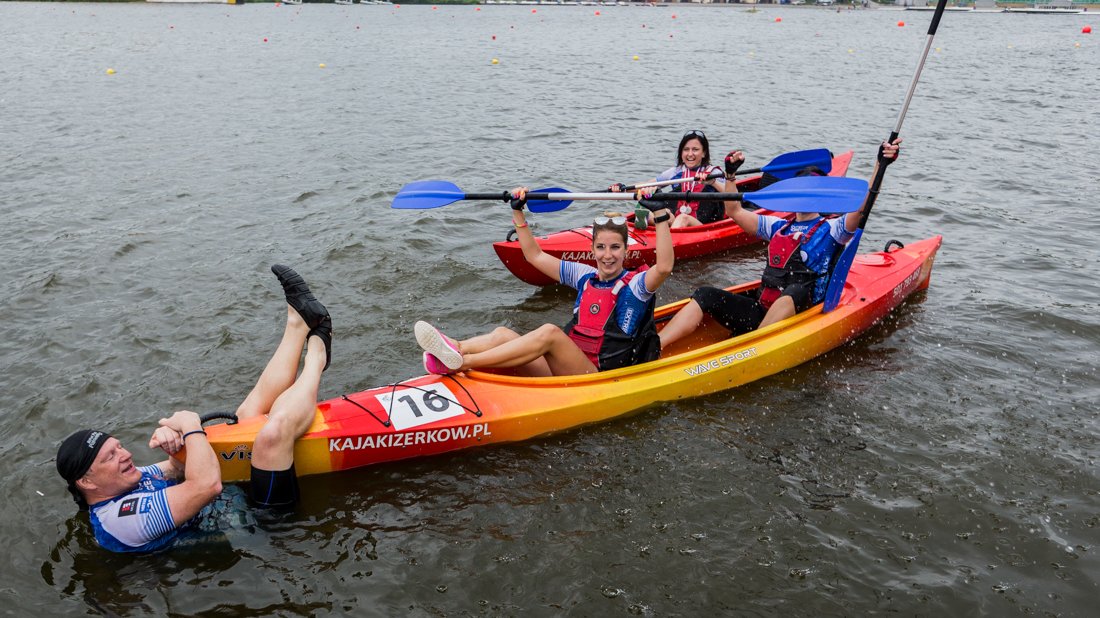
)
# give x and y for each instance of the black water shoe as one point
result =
(300, 297)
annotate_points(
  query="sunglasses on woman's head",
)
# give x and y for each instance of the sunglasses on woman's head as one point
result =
(695, 133)
(612, 220)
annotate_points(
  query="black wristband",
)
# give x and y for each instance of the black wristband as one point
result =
(662, 218)
(189, 433)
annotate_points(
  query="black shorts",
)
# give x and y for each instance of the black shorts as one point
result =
(710, 211)
(273, 488)
(741, 313)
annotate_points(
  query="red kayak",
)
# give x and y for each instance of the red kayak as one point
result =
(575, 245)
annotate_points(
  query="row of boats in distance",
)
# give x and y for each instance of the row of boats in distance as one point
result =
(1053, 7)
(567, 2)
(1064, 7)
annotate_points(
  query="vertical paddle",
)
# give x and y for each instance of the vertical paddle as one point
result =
(844, 264)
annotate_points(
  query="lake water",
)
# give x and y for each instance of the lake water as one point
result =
(943, 464)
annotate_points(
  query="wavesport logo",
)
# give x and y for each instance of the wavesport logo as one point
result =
(721, 361)
(241, 452)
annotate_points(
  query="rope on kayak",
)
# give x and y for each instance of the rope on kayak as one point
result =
(476, 412)
(393, 389)
(385, 423)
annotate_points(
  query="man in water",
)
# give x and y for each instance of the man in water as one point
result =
(143, 509)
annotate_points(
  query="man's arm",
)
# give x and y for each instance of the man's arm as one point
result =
(888, 153)
(201, 474)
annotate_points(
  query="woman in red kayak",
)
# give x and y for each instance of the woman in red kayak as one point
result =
(693, 165)
(612, 322)
(795, 278)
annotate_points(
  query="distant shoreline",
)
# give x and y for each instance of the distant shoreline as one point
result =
(809, 4)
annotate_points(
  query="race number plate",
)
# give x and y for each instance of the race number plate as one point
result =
(413, 407)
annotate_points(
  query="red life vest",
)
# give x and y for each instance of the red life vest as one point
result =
(692, 186)
(785, 265)
(596, 331)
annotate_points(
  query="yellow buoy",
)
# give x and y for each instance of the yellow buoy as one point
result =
(635, 57)
(495, 61)
(110, 71)
(322, 65)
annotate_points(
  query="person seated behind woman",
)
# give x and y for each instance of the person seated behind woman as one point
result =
(612, 322)
(693, 165)
(799, 256)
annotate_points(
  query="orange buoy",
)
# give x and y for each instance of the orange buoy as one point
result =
(674, 16)
(534, 10)
(1086, 30)
(597, 12)
(265, 39)
(778, 19)
(901, 24)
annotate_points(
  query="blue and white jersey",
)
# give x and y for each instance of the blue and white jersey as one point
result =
(817, 251)
(136, 521)
(630, 304)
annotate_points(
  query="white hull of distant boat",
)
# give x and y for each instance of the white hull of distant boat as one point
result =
(1048, 10)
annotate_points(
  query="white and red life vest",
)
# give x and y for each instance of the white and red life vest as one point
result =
(597, 333)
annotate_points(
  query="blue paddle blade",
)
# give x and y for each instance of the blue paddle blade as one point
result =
(788, 164)
(840, 273)
(825, 194)
(548, 205)
(427, 194)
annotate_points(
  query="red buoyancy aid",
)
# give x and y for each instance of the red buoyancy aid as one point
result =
(597, 333)
(692, 186)
(785, 265)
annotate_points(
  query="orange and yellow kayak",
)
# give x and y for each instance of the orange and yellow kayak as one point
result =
(431, 414)
(575, 245)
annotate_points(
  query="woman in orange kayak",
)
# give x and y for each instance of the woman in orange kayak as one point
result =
(693, 165)
(795, 277)
(612, 322)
